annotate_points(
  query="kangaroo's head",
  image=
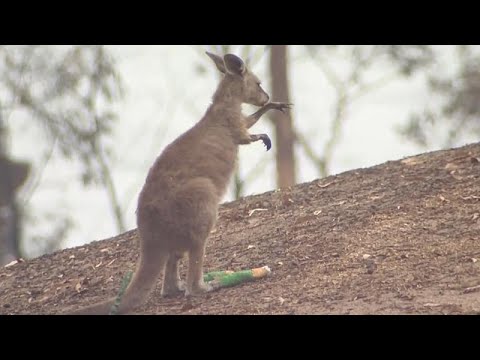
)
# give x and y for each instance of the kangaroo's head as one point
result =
(239, 82)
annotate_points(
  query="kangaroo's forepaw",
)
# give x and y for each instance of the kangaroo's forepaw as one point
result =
(266, 141)
(281, 106)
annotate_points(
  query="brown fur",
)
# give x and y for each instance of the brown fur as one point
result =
(177, 207)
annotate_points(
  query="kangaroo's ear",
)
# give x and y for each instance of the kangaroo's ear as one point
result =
(234, 64)
(218, 61)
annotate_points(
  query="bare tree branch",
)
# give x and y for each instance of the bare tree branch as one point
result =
(363, 58)
(107, 180)
(374, 86)
(330, 75)
(27, 194)
(307, 148)
(335, 132)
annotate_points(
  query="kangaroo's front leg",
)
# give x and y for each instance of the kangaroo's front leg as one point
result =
(247, 138)
(264, 137)
(252, 119)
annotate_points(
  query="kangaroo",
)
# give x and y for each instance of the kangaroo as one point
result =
(177, 206)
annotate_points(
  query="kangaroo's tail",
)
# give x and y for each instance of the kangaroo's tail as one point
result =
(150, 265)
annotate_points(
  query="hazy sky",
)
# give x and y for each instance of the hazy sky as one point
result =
(165, 95)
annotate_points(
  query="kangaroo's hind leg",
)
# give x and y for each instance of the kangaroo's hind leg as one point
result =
(198, 204)
(195, 282)
(172, 283)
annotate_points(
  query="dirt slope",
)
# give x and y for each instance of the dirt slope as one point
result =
(399, 238)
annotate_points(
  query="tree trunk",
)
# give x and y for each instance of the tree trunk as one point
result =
(284, 135)
(12, 176)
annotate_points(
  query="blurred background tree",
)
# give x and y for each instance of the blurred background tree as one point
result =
(66, 93)
(69, 93)
(453, 114)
